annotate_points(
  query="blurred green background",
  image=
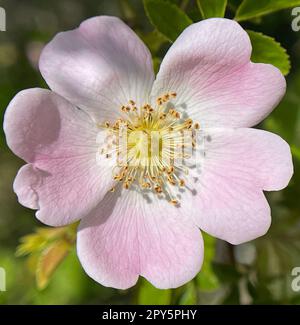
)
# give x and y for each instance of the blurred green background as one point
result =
(253, 273)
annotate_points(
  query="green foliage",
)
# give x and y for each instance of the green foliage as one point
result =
(156, 64)
(288, 114)
(154, 41)
(254, 8)
(189, 296)
(212, 8)
(226, 273)
(234, 4)
(167, 18)
(207, 280)
(47, 248)
(149, 295)
(68, 284)
(266, 50)
(49, 260)
(278, 254)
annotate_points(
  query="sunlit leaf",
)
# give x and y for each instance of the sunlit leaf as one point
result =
(49, 261)
(42, 237)
(46, 248)
(254, 8)
(69, 284)
(212, 8)
(32, 262)
(266, 50)
(30, 244)
(167, 18)
(38, 240)
(149, 295)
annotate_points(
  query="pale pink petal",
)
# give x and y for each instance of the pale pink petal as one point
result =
(236, 166)
(25, 184)
(133, 234)
(99, 66)
(209, 68)
(64, 179)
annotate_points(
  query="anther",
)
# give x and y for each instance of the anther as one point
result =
(174, 201)
(158, 189)
(146, 185)
(181, 182)
(166, 97)
(170, 170)
(171, 180)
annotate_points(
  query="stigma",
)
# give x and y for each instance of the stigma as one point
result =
(150, 144)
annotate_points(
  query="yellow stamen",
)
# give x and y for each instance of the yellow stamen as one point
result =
(143, 127)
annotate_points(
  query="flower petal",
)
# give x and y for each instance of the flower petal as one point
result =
(24, 186)
(64, 179)
(132, 234)
(237, 166)
(210, 70)
(99, 66)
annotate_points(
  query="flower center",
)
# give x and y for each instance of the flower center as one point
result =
(150, 145)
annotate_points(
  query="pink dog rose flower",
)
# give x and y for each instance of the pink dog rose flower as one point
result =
(143, 218)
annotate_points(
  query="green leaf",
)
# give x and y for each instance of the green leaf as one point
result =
(295, 151)
(49, 260)
(226, 273)
(154, 41)
(267, 50)
(46, 248)
(234, 4)
(38, 240)
(156, 64)
(212, 8)
(149, 295)
(254, 8)
(279, 119)
(167, 18)
(189, 296)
